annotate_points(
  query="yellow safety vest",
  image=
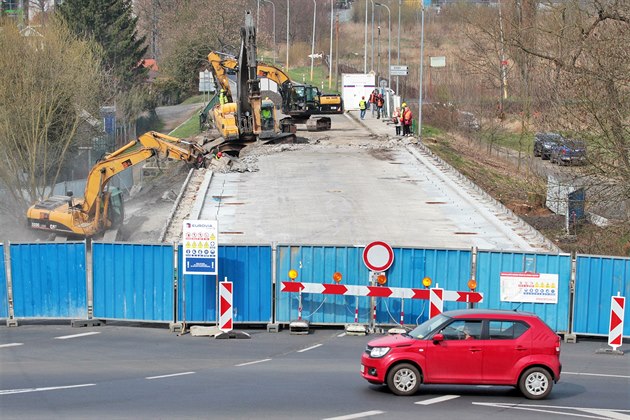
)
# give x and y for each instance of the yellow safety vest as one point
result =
(362, 104)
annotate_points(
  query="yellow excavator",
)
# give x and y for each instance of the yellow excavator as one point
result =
(245, 117)
(300, 102)
(101, 208)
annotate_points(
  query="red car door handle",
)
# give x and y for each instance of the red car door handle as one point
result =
(474, 349)
(521, 348)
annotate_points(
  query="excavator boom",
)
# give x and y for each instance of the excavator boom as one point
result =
(96, 211)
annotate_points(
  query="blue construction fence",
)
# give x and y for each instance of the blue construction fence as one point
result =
(141, 282)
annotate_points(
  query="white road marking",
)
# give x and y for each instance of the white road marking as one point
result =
(309, 348)
(170, 376)
(604, 375)
(50, 388)
(357, 415)
(341, 335)
(11, 345)
(252, 363)
(437, 400)
(65, 337)
(607, 413)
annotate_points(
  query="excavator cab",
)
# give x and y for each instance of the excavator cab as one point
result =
(116, 208)
(267, 119)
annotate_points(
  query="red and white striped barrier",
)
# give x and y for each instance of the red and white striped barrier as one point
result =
(378, 291)
(436, 301)
(225, 306)
(615, 334)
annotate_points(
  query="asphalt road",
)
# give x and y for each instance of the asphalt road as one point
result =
(117, 371)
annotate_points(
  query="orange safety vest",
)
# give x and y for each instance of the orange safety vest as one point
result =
(407, 116)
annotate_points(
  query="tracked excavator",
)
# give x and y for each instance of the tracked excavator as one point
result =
(245, 117)
(300, 102)
(101, 208)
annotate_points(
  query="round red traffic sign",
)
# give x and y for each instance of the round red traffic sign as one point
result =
(378, 256)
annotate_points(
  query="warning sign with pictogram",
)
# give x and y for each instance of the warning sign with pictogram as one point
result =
(201, 246)
(225, 306)
(615, 334)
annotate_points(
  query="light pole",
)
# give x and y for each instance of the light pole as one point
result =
(421, 67)
(389, 45)
(331, 40)
(274, 28)
(398, 62)
(372, 63)
(313, 41)
(257, 14)
(287, 35)
(365, 40)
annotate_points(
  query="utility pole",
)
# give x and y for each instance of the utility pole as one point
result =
(287, 35)
(330, 57)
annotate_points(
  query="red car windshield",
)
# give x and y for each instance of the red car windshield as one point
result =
(428, 326)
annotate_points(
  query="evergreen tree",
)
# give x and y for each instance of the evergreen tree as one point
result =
(112, 25)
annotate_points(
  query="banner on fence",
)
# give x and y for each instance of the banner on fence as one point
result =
(529, 287)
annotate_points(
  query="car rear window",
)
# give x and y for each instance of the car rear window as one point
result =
(506, 330)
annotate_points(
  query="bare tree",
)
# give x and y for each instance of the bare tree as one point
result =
(584, 45)
(49, 86)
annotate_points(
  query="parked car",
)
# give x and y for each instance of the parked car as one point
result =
(569, 152)
(471, 347)
(544, 144)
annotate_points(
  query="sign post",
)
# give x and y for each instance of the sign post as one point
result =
(225, 306)
(201, 256)
(377, 257)
(615, 334)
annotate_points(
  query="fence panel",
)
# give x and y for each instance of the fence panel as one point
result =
(249, 268)
(597, 279)
(491, 264)
(4, 299)
(133, 281)
(450, 269)
(49, 280)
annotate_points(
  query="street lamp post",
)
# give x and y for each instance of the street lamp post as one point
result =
(389, 45)
(332, 13)
(365, 39)
(287, 35)
(398, 62)
(421, 68)
(274, 28)
(313, 40)
(372, 63)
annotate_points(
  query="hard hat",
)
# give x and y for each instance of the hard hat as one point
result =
(404, 104)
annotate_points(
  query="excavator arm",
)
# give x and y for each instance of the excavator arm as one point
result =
(90, 216)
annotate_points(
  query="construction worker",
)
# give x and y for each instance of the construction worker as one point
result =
(222, 97)
(372, 100)
(379, 105)
(362, 107)
(266, 115)
(407, 118)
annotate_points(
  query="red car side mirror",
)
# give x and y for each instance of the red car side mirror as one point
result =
(437, 338)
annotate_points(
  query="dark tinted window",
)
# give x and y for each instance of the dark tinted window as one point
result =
(506, 330)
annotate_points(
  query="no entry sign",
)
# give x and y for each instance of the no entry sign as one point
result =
(378, 256)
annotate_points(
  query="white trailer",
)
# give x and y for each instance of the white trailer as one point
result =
(355, 85)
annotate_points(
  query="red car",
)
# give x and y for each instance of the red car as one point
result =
(473, 347)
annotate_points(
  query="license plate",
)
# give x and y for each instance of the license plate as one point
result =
(362, 368)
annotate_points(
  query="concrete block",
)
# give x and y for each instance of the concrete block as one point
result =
(396, 330)
(80, 323)
(203, 331)
(356, 329)
(273, 327)
(570, 338)
(299, 327)
(12, 322)
(176, 327)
